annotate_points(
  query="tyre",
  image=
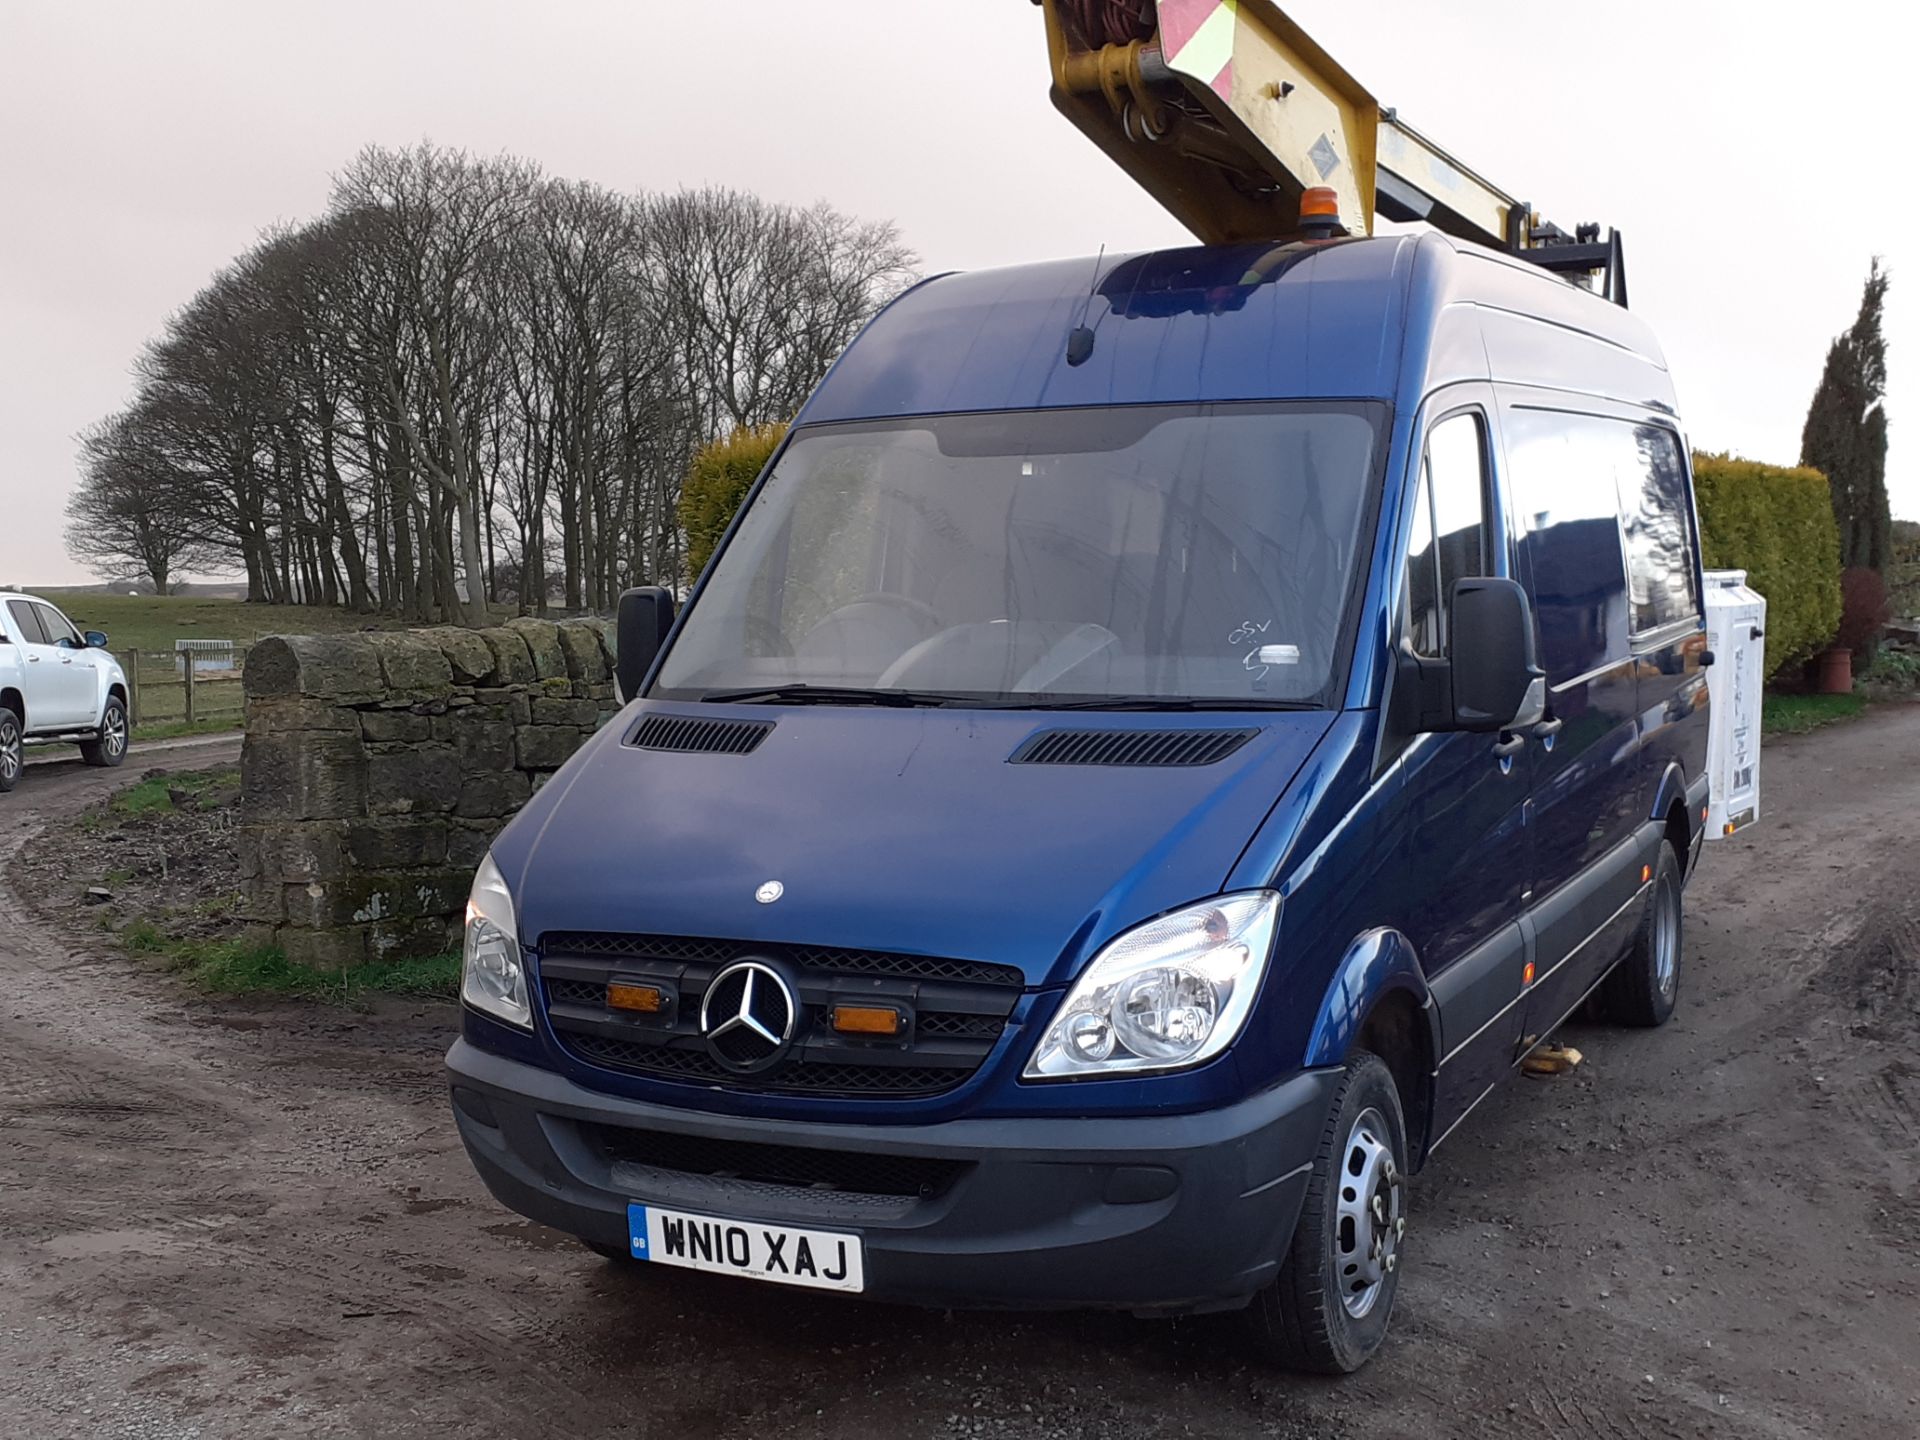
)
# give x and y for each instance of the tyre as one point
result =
(1327, 1311)
(1645, 984)
(109, 747)
(618, 1254)
(11, 748)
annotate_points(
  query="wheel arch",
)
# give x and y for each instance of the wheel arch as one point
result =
(12, 699)
(1671, 795)
(1379, 1001)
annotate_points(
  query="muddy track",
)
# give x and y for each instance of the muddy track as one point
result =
(237, 1220)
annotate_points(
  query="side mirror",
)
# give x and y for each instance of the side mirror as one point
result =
(96, 639)
(1497, 685)
(640, 627)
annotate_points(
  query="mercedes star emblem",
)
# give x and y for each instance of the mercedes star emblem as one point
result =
(748, 1016)
(769, 892)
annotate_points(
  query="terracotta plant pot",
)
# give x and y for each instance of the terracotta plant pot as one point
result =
(1836, 671)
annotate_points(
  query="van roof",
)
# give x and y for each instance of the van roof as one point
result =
(1356, 319)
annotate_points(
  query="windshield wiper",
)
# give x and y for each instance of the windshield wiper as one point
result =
(802, 694)
(1145, 702)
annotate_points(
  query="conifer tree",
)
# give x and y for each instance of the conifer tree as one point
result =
(1845, 437)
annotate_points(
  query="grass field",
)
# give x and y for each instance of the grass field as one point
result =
(150, 623)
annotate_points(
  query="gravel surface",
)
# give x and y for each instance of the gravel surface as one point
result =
(225, 1219)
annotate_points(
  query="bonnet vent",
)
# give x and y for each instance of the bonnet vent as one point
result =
(1130, 747)
(697, 735)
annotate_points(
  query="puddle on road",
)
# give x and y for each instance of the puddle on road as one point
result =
(538, 1237)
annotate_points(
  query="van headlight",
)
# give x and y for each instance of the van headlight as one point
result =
(1165, 995)
(492, 979)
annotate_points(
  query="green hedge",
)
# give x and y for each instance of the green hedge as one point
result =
(1777, 525)
(722, 474)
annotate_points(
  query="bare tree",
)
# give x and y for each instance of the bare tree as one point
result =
(122, 515)
(469, 383)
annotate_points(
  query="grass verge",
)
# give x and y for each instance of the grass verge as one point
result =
(1797, 714)
(175, 729)
(159, 792)
(242, 967)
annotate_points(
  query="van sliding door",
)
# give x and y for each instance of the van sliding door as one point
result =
(1588, 805)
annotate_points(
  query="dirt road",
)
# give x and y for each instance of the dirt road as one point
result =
(237, 1220)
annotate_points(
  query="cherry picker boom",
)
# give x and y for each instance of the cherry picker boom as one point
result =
(1228, 114)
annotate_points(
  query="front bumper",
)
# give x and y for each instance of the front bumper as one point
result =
(1145, 1213)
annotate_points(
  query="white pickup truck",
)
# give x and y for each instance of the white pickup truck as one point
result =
(56, 684)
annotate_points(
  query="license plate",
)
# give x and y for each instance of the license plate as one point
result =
(823, 1259)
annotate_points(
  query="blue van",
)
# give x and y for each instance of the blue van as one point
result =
(1146, 761)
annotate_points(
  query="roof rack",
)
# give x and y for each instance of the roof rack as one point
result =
(1227, 112)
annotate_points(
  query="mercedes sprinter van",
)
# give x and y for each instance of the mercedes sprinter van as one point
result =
(1143, 765)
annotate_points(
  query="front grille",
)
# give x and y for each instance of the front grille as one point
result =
(576, 992)
(836, 1171)
(957, 1010)
(810, 1078)
(811, 957)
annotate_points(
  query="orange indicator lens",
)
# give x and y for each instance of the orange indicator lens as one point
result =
(866, 1020)
(1526, 975)
(645, 998)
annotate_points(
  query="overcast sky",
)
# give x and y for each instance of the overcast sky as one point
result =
(1748, 154)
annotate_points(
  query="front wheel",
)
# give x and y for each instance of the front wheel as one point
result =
(11, 746)
(109, 746)
(1328, 1309)
(1644, 986)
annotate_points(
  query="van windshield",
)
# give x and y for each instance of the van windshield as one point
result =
(1136, 555)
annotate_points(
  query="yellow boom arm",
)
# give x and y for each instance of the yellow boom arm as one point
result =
(1226, 111)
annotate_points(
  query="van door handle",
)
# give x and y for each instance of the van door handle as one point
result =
(1510, 746)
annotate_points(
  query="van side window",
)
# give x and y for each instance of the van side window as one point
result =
(1563, 469)
(1658, 523)
(1448, 539)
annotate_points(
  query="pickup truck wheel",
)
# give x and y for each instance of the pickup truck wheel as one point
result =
(1644, 986)
(1328, 1309)
(109, 747)
(10, 748)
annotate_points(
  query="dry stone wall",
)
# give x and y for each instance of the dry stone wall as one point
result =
(378, 767)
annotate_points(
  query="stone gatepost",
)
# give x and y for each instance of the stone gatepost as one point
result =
(378, 767)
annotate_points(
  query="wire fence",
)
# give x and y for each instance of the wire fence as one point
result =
(195, 686)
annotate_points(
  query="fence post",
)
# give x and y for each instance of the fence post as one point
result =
(189, 659)
(130, 667)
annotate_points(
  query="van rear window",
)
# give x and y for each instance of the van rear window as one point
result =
(1658, 519)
